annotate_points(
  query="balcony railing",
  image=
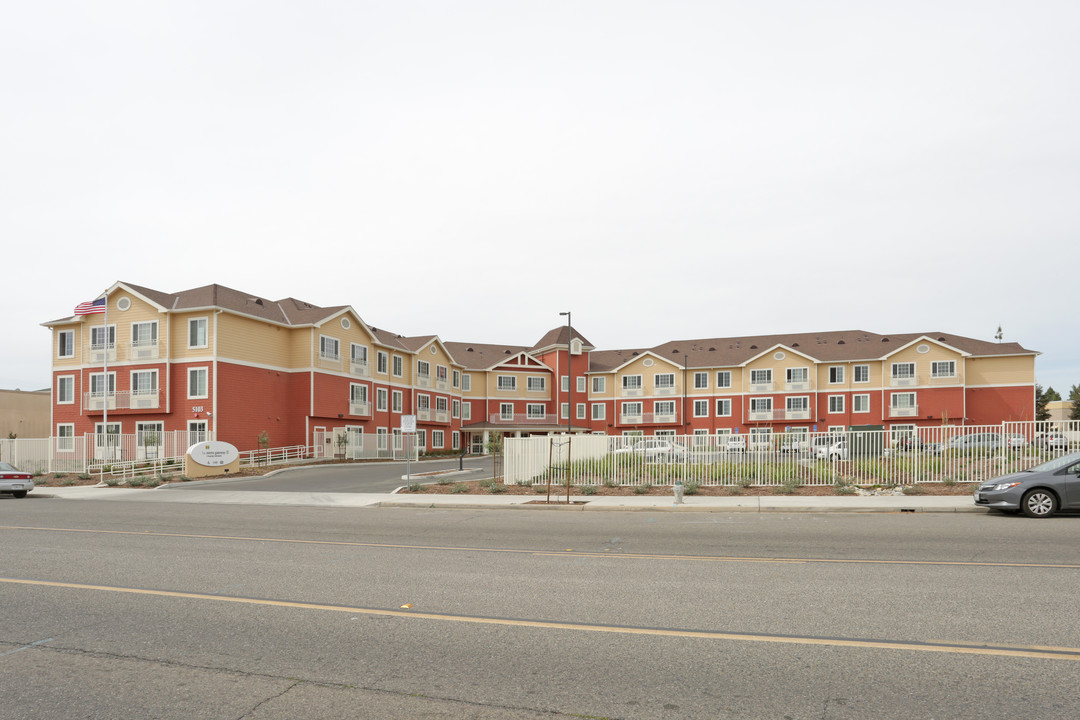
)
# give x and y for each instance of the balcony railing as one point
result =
(423, 381)
(632, 392)
(99, 352)
(521, 419)
(123, 400)
(760, 415)
(761, 387)
(359, 367)
(904, 380)
(648, 418)
(328, 362)
(360, 408)
(910, 411)
(423, 414)
(144, 351)
(667, 390)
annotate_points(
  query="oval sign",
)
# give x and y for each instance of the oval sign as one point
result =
(213, 453)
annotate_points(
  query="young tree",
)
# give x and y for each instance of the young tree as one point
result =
(1041, 399)
(1074, 398)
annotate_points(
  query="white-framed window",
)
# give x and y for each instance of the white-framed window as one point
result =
(466, 411)
(797, 403)
(381, 362)
(396, 401)
(536, 384)
(329, 348)
(701, 407)
(455, 409)
(455, 439)
(421, 440)
(423, 369)
(102, 337)
(144, 334)
(564, 411)
(535, 411)
(902, 400)
(438, 439)
(358, 393)
(599, 385)
(506, 411)
(582, 411)
(506, 383)
(98, 382)
(903, 370)
(581, 384)
(860, 403)
(723, 379)
(664, 407)
(663, 381)
(798, 375)
(701, 381)
(862, 373)
(381, 397)
(441, 373)
(197, 431)
(144, 382)
(723, 408)
(358, 354)
(466, 382)
(399, 366)
(836, 404)
(943, 368)
(197, 336)
(440, 404)
(837, 430)
(761, 405)
(65, 344)
(65, 437)
(664, 433)
(65, 389)
(198, 383)
(761, 377)
(564, 383)
(631, 382)
(836, 375)
(457, 378)
(599, 411)
(632, 409)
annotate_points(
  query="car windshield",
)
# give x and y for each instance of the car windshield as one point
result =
(1056, 463)
(7, 466)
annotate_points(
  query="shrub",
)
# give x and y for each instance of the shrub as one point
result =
(497, 489)
(486, 483)
(735, 490)
(588, 490)
(745, 482)
(948, 481)
(84, 476)
(415, 487)
(459, 488)
(913, 490)
(845, 489)
(185, 478)
(690, 487)
(444, 481)
(610, 482)
(67, 480)
(112, 482)
(642, 489)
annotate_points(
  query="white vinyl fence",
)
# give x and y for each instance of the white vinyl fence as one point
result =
(92, 451)
(350, 444)
(862, 457)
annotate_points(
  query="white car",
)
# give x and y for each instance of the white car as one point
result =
(655, 450)
(831, 450)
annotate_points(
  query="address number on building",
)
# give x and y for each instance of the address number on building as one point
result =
(196, 408)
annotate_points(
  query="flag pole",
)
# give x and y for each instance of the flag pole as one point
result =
(105, 368)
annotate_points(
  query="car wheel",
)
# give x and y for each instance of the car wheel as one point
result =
(1039, 503)
(19, 493)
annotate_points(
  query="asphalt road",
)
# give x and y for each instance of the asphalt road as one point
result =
(346, 478)
(179, 611)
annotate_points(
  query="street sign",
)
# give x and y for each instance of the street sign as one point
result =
(408, 423)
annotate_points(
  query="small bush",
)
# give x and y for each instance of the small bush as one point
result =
(459, 488)
(112, 482)
(539, 489)
(641, 489)
(745, 482)
(690, 487)
(913, 490)
(137, 481)
(444, 481)
(588, 490)
(735, 490)
(67, 480)
(845, 489)
(152, 482)
(487, 483)
(610, 483)
(497, 489)
(948, 481)
(185, 478)
(415, 487)
(59, 475)
(84, 476)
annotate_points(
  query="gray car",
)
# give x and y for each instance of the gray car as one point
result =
(1038, 492)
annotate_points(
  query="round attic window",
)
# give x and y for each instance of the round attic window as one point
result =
(123, 303)
(779, 356)
(647, 362)
(345, 323)
(433, 350)
(924, 348)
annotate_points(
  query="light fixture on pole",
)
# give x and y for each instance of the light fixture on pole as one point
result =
(569, 399)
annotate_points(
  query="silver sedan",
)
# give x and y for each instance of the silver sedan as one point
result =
(1038, 492)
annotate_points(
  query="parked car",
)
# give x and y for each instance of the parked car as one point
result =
(1037, 492)
(830, 449)
(14, 481)
(735, 443)
(1051, 441)
(1015, 441)
(795, 444)
(976, 441)
(909, 442)
(655, 450)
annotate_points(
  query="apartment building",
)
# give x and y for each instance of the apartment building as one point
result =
(217, 360)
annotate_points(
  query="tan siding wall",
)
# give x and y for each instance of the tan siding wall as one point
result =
(253, 341)
(178, 335)
(1001, 371)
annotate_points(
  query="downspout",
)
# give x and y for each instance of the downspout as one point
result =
(214, 398)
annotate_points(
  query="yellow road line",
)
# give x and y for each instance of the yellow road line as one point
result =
(549, 553)
(959, 648)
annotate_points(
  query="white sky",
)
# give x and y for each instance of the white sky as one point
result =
(665, 170)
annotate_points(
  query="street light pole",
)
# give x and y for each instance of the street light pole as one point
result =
(569, 399)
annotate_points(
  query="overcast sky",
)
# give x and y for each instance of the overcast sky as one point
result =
(664, 170)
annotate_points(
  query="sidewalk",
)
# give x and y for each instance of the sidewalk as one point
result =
(650, 503)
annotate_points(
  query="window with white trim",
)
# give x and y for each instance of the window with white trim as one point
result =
(631, 409)
(438, 439)
(399, 366)
(723, 408)
(723, 379)
(599, 385)
(902, 400)
(197, 383)
(535, 411)
(144, 334)
(631, 382)
(664, 407)
(836, 404)
(423, 369)
(102, 336)
(380, 399)
(65, 437)
(903, 371)
(455, 439)
(466, 411)
(457, 378)
(329, 348)
(663, 381)
(455, 409)
(564, 383)
(701, 407)
(396, 401)
(358, 354)
(862, 373)
(144, 382)
(564, 411)
(358, 393)
(836, 375)
(65, 389)
(197, 337)
(65, 344)
(506, 383)
(701, 381)
(381, 361)
(798, 375)
(760, 405)
(441, 373)
(797, 403)
(581, 384)
(761, 377)
(535, 384)
(466, 382)
(860, 403)
(599, 411)
(582, 411)
(506, 411)
(943, 368)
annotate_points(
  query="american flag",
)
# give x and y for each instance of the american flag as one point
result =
(90, 307)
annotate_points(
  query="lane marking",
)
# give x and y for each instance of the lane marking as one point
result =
(558, 553)
(26, 647)
(958, 648)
